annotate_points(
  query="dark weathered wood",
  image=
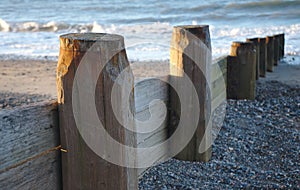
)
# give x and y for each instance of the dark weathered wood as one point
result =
(185, 52)
(243, 84)
(232, 88)
(256, 42)
(26, 135)
(276, 49)
(280, 38)
(270, 53)
(82, 168)
(263, 57)
(282, 42)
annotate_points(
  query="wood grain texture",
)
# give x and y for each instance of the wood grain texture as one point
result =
(82, 168)
(191, 46)
(27, 132)
(145, 93)
(218, 68)
(218, 77)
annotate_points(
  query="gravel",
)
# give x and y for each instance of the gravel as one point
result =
(258, 147)
(10, 100)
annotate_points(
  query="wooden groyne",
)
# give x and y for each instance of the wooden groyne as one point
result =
(252, 60)
(42, 147)
(30, 147)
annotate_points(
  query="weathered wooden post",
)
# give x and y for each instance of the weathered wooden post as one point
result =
(232, 88)
(276, 49)
(256, 43)
(263, 57)
(241, 71)
(270, 53)
(82, 168)
(191, 53)
(281, 45)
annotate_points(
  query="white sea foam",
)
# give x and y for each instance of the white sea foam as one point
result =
(148, 41)
(4, 26)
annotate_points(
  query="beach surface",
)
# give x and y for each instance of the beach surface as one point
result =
(28, 77)
(38, 77)
(257, 147)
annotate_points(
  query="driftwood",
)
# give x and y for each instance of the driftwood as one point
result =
(82, 168)
(30, 156)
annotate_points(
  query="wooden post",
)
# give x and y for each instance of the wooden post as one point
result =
(82, 168)
(256, 42)
(263, 55)
(270, 53)
(276, 49)
(191, 46)
(232, 88)
(243, 75)
(281, 45)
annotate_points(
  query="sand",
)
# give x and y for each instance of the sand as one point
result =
(249, 138)
(38, 77)
(28, 77)
(286, 73)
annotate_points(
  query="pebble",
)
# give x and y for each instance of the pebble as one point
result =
(258, 147)
(262, 137)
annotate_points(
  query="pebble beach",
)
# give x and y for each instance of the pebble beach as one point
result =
(258, 145)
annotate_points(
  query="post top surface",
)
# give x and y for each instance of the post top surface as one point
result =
(90, 41)
(92, 37)
(253, 39)
(270, 37)
(277, 35)
(239, 43)
(191, 26)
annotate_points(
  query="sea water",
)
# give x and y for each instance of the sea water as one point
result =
(31, 28)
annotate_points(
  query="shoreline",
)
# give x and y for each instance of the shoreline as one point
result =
(39, 76)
